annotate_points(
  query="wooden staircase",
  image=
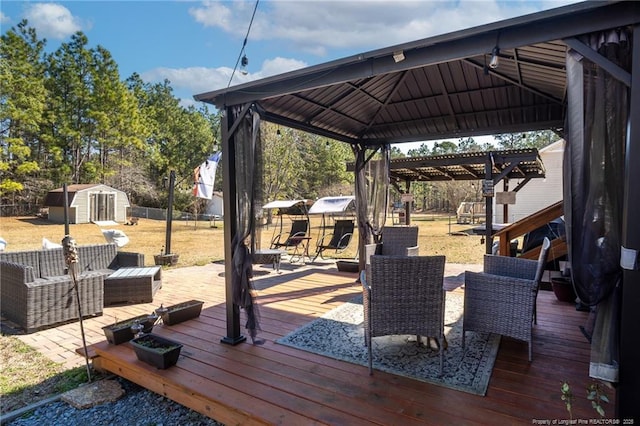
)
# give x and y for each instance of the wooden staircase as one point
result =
(531, 223)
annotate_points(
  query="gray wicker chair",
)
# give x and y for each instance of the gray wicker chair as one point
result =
(404, 295)
(502, 298)
(396, 241)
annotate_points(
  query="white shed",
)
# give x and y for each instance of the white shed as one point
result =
(537, 193)
(88, 203)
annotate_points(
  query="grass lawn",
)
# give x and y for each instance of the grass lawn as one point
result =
(201, 243)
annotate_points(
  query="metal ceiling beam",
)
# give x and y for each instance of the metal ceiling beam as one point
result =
(477, 91)
(447, 99)
(387, 101)
(592, 55)
(305, 127)
(491, 130)
(514, 82)
(359, 88)
(325, 108)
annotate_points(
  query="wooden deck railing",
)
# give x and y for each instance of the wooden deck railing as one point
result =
(528, 224)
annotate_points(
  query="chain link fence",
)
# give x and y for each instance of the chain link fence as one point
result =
(161, 214)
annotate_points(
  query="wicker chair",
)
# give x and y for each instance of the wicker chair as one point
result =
(396, 241)
(404, 295)
(502, 299)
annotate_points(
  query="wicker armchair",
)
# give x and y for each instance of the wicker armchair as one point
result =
(396, 241)
(404, 295)
(502, 299)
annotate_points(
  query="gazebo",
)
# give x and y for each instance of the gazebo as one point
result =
(541, 71)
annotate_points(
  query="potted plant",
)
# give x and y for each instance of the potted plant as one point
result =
(563, 289)
(184, 311)
(165, 259)
(121, 332)
(156, 350)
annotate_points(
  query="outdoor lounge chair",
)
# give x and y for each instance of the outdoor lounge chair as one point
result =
(294, 237)
(340, 238)
(502, 298)
(404, 295)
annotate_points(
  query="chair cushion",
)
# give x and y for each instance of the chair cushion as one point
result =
(97, 257)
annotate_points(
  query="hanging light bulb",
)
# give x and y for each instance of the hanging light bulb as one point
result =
(494, 58)
(243, 65)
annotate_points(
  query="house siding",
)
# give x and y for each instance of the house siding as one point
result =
(538, 193)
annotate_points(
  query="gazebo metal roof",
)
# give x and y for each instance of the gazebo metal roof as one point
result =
(443, 88)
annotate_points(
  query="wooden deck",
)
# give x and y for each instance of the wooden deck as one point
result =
(275, 384)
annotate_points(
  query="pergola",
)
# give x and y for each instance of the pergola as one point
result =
(443, 87)
(490, 167)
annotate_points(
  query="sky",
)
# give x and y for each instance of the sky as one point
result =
(196, 44)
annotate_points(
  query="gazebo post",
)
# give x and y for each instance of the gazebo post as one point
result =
(629, 390)
(407, 205)
(487, 192)
(233, 336)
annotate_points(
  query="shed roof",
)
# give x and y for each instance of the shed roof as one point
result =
(55, 197)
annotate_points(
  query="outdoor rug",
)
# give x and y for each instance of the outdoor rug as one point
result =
(339, 334)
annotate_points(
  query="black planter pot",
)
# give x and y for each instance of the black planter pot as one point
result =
(156, 351)
(182, 312)
(348, 266)
(121, 332)
(563, 289)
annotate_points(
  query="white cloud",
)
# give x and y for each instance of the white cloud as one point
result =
(213, 14)
(196, 80)
(317, 26)
(52, 20)
(278, 66)
(4, 19)
(193, 79)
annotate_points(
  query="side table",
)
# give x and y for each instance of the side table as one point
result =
(266, 256)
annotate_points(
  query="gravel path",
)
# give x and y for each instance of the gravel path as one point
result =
(138, 407)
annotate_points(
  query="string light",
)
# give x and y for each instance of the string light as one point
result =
(242, 57)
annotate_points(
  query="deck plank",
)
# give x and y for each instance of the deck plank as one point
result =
(277, 384)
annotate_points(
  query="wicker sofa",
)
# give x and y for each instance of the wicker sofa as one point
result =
(36, 291)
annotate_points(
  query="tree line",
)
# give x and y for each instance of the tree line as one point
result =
(69, 117)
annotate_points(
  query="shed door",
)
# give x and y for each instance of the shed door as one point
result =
(103, 207)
